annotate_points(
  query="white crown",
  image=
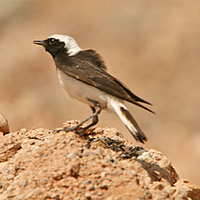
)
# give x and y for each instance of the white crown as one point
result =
(70, 44)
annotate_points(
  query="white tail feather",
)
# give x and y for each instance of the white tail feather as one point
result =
(127, 119)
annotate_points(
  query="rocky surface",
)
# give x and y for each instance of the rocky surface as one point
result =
(101, 164)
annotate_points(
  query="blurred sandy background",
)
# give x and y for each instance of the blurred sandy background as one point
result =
(153, 47)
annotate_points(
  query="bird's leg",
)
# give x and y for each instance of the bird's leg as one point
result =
(96, 109)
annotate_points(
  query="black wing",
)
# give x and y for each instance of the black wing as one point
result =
(93, 74)
(93, 57)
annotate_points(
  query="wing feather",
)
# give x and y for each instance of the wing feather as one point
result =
(95, 75)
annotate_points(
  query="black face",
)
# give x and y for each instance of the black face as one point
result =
(52, 45)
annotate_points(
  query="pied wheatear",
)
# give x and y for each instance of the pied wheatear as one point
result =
(84, 76)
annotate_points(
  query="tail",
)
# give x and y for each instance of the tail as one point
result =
(128, 120)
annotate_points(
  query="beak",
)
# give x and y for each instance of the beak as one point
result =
(39, 42)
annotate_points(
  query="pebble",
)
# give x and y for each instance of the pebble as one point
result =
(10, 177)
(71, 155)
(148, 195)
(146, 156)
(23, 131)
(118, 173)
(23, 183)
(88, 195)
(31, 142)
(58, 176)
(55, 196)
(103, 187)
(15, 146)
(4, 165)
(11, 196)
(87, 181)
(6, 185)
(86, 153)
(90, 188)
(103, 174)
(9, 188)
(170, 190)
(37, 191)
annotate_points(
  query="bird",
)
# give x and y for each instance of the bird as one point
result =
(83, 74)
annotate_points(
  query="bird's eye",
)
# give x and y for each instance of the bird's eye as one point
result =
(52, 41)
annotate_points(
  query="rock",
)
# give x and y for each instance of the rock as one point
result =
(103, 187)
(23, 183)
(10, 177)
(158, 166)
(4, 128)
(103, 174)
(67, 166)
(88, 195)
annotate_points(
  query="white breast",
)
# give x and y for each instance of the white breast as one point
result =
(81, 91)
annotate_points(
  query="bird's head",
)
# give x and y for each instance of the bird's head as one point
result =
(55, 43)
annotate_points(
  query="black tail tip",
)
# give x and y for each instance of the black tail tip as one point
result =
(141, 139)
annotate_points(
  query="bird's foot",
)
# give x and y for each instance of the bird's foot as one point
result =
(78, 130)
(66, 129)
(75, 129)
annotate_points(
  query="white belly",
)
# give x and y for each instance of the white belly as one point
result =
(81, 91)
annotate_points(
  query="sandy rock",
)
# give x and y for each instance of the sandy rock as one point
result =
(41, 164)
(158, 166)
(4, 128)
